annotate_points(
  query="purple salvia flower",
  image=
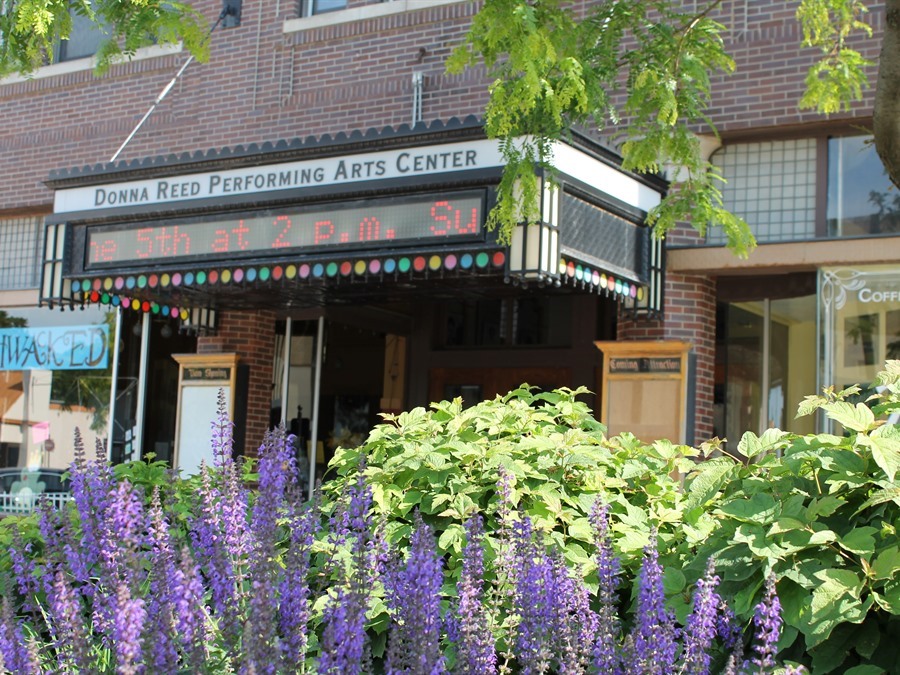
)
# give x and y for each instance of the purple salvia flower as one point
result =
(118, 615)
(128, 627)
(344, 618)
(343, 634)
(574, 623)
(653, 644)
(475, 651)
(160, 610)
(127, 522)
(23, 569)
(232, 494)
(18, 657)
(294, 608)
(259, 652)
(767, 622)
(277, 474)
(65, 620)
(534, 582)
(728, 628)
(700, 627)
(606, 658)
(189, 611)
(504, 488)
(414, 598)
(222, 570)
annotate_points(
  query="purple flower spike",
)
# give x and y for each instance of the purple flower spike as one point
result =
(475, 651)
(70, 635)
(653, 647)
(15, 653)
(575, 624)
(606, 658)
(344, 635)
(414, 597)
(533, 575)
(294, 610)
(767, 621)
(700, 628)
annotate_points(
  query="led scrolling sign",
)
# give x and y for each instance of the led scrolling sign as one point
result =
(431, 219)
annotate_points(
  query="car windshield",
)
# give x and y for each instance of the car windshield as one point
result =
(39, 481)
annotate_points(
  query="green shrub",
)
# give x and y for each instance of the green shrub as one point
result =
(445, 463)
(819, 512)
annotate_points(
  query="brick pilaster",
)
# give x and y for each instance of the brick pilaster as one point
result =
(251, 335)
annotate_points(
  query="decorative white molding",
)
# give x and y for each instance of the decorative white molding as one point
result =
(89, 63)
(361, 13)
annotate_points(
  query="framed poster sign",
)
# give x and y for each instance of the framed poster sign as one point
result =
(644, 389)
(200, 379)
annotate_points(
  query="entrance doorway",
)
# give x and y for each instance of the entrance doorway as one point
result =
(359, 371)
(146, 424)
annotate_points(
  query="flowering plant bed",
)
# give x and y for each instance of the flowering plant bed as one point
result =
(510, 537)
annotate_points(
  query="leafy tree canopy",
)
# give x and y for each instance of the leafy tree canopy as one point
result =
(641, 68)
(30, 28)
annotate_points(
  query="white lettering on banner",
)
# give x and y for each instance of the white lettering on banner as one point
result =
(386, 164)
(868, 295)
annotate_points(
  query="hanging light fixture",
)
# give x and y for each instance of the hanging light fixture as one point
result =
(534, 247)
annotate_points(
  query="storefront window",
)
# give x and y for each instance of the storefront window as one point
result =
(55, 370)
(765, 365)
(861, 198)
(860, 315)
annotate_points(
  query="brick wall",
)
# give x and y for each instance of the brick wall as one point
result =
(250, 334)
(689, 316)
(260, 84)
(771, 66)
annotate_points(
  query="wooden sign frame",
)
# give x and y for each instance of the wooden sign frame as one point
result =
(644, 389)
(200, 377)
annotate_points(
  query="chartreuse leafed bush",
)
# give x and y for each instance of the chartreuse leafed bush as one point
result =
(817, 513)
(821, 514)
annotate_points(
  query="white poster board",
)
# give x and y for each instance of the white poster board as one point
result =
(201, 378)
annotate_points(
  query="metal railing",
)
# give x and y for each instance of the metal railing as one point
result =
(26, 501)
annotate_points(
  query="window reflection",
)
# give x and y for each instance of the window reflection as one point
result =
(45, 393)
(861, 198)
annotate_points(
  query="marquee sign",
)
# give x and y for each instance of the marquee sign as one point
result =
(430, 219)
(274, 178)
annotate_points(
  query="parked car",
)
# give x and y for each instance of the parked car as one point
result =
(21, 489)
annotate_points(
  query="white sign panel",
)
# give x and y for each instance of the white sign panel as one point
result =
(348, 169)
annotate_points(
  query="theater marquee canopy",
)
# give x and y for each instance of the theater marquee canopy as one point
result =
(350, 218)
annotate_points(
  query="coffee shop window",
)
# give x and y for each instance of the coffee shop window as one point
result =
(55, 377)
(859, 312)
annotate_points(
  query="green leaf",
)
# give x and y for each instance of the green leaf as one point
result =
(452, 538)
(866, 669)
(856, 418)
(889, 598)
(885, 444)
(760, 508)
(711, 475)
(749, 446)
(859, 540)
(887, 563)
(673, 581)
(824, 507)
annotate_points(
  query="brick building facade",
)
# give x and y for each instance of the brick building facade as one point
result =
(291, 85)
